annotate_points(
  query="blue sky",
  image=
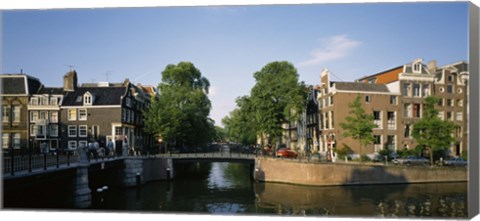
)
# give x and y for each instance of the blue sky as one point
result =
(230, 43)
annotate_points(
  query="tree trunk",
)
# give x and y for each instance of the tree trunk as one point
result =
(431, 155)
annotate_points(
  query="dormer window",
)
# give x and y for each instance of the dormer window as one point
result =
(417, 68)
(87, 99)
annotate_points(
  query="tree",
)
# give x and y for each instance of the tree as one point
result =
(240, 125)
(359, 125)
(277, 97)
(179, 114)
(430, 131)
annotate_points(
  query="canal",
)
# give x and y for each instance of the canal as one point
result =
(227, 188)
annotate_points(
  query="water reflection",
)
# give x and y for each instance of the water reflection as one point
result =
(415, 200)
(227, 188)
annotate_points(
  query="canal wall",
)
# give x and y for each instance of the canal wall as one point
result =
(138, 171)
(334, 174)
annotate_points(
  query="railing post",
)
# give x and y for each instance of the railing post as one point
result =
(12, 169)
(58, 163)
(45, 161)
(68, 158)
(29, 160)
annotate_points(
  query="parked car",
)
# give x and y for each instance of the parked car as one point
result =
(286, 152)
(455, 162)
(410, 160)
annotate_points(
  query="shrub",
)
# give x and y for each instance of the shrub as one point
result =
(343, 152)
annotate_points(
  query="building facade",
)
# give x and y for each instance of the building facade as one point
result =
(16, 90)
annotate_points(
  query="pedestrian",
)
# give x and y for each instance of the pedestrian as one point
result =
(110, 147)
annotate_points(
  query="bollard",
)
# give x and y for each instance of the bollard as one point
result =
(346, 159)
(139, 179)
(386, 160)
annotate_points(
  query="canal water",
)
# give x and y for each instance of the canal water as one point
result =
(227, 188)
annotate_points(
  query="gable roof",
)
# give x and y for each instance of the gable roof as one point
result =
(102, 96)
(360, 86)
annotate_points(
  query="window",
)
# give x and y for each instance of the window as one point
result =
(32, 129)
(331, 117)
(72, 114)
(449, 115)
(425, 90)
(54, 117)
(406, 88)
(440, 102)
(72, 145)
(449, 103)
(416, 110)
(54, 130)
(128, 102)
(377, 119)
(368, 99)
(16, 141)
(450, 78)
(124, 114)
(44, 101)
(331, 100)
(43, 115)
(6, 114)
(393, 99)
(327, 118)
(459, 90)
(407, 131)
(391, 142)
(417, 68)
(449, 89)
(5, 140)
(33, 116)
(377, 142)
(441, 115)
(118, 133)
(407, 112)
(82, 131)
(82, 114)
(41, 131)
(72, 131)
(459, 116)
(53, 101)
(16, 114)
(441, 89)
(95, 132)
(416, 90)
(87, 99)
(34, 101)
(391, 120)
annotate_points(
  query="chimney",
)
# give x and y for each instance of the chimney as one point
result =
(432, 66)
(70, 81)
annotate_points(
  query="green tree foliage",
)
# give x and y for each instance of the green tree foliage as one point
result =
(431, 132)
(277, 97)
(179, 114)
(220, 134)
(359, 125)
(240, 124)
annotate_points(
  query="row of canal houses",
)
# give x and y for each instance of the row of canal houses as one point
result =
(396, 99)
(36, 118)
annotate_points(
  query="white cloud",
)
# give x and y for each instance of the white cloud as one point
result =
(332, 48)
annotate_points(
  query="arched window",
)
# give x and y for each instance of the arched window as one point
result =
(87, 99)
